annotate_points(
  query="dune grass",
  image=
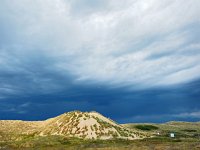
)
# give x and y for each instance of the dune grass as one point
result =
(62, 143)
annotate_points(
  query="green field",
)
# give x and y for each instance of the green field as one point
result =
(180, 129)
(187, 137)
(60, 142)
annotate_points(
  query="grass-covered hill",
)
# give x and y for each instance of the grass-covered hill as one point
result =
(91, 130)
(180, 129)
(85, 125)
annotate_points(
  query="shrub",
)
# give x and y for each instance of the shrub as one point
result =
(189, 130)
(146, 127)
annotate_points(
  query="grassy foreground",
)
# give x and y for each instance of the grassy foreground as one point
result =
(187, 137)
(62, 143)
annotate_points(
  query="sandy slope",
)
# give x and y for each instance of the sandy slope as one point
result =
(89, 125)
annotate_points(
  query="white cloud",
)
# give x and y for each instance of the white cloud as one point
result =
(179, 116)
(195, 114)
(140, 42)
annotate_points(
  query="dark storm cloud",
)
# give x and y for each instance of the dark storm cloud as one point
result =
(131, 60)
(153, 105)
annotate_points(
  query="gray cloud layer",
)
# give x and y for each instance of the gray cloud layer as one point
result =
(135, 43)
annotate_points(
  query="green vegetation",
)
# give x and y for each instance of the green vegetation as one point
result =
(189, 130)
(182, 130)
(62, 133)
(146, 127)
(62, 142)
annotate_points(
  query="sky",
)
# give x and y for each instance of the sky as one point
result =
(131, 60)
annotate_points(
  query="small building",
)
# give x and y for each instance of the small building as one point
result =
(172, 135)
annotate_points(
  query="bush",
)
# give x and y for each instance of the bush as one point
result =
(189, 130)
(146, 127)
